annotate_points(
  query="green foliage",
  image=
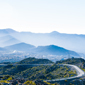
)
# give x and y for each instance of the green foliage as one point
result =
(65, 80)
(5, 77)
(42, 72)
(10, 78)
(35, 61)
(51, 84)
(83, 69)
(29, 83)
(75, 61)
(46, 72)
(3, 81)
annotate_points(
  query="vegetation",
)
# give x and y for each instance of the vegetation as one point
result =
(29, 83)
(28, 74)
(42, 72)
(35, 61)
(75, 61)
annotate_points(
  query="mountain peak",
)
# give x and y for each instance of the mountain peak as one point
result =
(54, 32)
(20, 47)
(8, 30)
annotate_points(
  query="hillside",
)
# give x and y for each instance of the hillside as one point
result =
(75, 61)
(43, 72)
(35, 61)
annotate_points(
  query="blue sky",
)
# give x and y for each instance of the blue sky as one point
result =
(41, 16)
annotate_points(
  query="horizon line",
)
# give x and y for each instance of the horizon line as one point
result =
(43, 32)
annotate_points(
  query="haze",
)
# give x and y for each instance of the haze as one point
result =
(41, 16)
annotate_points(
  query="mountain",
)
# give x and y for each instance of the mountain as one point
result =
(21, 47)
(6, 39)
(7, 31)
(2, 49)
(43, 50)
(20, 51)
(73, 42)
(11, 41)
(54, 50)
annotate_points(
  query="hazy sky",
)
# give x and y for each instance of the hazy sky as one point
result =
(66, 16)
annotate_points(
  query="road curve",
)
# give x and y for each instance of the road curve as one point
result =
(80, 73)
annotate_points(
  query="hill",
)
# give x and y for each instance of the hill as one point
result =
(35, 61)
(75, 61)
(39, 72)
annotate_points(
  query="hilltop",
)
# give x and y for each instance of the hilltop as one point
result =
(75, 61)
(35, 61)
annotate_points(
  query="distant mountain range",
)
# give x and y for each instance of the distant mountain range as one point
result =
(43, 50)
(68, 41)
(54, 50)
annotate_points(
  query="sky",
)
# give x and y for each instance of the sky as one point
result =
(43, 16)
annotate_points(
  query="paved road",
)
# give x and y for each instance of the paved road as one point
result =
(25, 64)
(80, 73)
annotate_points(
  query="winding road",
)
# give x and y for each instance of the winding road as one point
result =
(80, 73)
